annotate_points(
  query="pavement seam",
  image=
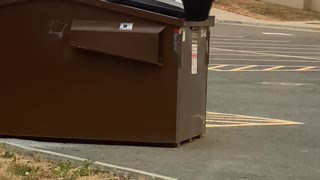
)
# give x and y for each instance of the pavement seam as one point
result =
(266, 25)
(127, 172)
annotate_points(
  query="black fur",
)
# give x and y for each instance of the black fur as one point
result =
(197, 10)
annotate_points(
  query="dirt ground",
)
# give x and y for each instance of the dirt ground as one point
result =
(266, 11)
(18, 167)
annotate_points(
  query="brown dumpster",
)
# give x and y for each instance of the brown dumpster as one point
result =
(99, 70)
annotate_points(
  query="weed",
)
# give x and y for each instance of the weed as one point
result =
(8, 155)
(15, 166)
(86, 169)
(62, 169)
(23, 170)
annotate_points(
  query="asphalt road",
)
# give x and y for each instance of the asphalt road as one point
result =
(286, 87)
(242, 45)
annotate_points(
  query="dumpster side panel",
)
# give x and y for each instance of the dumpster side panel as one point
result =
(51, 89)
(192, 83)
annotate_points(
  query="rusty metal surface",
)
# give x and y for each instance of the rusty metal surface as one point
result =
(51, 89)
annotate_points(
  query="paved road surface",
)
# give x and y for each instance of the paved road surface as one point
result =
(264, 49)
(286, 87)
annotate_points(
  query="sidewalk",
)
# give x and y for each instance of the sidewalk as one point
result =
(229, 17)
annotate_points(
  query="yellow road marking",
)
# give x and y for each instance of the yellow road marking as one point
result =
(233, 120)
(241, 116)
(244, 118)
(273, 68)
(306, 68)
(243, 68)
(294, 70)
(249, 119)
(251, 124)
(218, 66)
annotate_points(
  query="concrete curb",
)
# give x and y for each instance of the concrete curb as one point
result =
(275, 26)
(56, 157)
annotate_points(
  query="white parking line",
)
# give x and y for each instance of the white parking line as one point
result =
(227, 36)
(265, 44)
(274, 47)
(241, 54)
(250, 40)
(283, 52)
(274, 55)
(266, 60)
(284, 83)
(255, 55)
(291, 52)
(279, 34)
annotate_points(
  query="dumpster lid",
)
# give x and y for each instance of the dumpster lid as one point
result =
(118, 6)
(173, 8)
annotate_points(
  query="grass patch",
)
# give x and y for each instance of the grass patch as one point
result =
(23, 169)
(7, 155)
(18, 167)
(267, 11)
(86, 169)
